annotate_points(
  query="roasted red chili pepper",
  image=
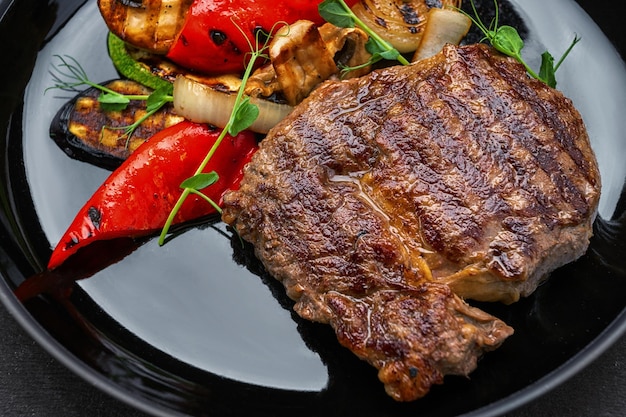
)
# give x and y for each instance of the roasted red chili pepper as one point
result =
(213, 37)
(136, 199)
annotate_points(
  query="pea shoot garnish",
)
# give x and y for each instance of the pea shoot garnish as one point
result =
(70, 75)
(338, 13)
(242, 116)
(507, 40)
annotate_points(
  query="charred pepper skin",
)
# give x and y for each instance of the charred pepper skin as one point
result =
(217, 34)
(136, 199)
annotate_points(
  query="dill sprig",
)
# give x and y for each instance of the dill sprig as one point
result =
(243, 114)
(69, 75)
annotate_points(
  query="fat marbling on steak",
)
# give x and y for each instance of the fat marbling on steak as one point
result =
(382, 202)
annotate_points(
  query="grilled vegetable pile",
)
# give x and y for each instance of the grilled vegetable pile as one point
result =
(201, 82)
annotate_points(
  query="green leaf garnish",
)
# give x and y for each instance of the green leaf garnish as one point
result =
(390, 55)
(547, 71)
(507, 40)
(338, 13)
(70, 75)
(200, 181)
(113, 102)
(159, 97)
(242, 116)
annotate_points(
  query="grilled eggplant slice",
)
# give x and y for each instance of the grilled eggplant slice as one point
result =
(87, 133)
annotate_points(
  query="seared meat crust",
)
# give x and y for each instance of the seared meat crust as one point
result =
(381, 201)
(414, 337)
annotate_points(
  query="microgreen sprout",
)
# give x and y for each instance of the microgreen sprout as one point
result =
(507, 40)
(338, 13)
(243, 114)
(70, 75)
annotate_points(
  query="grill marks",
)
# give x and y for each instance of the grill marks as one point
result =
(460, 153)
(351, 237)
(148, 24)
(491, 150)
(381, 201)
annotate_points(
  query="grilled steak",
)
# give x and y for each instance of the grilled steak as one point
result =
(382, 202)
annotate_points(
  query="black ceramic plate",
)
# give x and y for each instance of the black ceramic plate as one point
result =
(195, 327)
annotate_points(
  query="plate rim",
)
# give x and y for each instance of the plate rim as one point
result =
(589, 353)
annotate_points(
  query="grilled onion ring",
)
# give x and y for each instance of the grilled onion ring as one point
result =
(399, 22)
(208, 104)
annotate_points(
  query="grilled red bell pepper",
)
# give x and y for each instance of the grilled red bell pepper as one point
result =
(210, 40)
(136, 199)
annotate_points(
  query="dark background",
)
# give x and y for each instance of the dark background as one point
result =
(33, 383)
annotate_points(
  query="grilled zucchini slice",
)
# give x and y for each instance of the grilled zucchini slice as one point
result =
(150, 69)
(137, 65)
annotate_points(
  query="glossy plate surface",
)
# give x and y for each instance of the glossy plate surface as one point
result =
(195, 327)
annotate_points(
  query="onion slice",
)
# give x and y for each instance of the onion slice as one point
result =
(442, 26)
(400, 22)
(213, 104)
(389, 19)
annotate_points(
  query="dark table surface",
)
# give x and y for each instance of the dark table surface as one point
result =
(33, 383)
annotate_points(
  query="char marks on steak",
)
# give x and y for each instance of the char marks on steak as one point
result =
(382, 202)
